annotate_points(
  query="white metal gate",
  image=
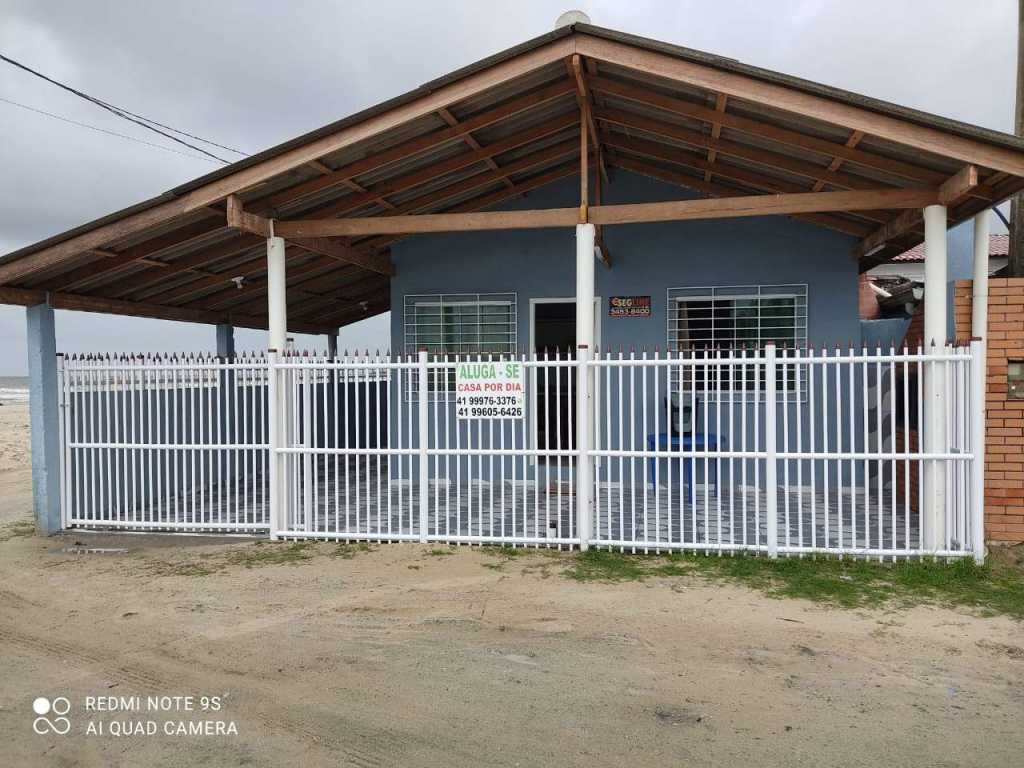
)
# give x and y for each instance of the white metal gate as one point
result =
(774, 451)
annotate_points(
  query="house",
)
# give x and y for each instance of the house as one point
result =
(623, 279)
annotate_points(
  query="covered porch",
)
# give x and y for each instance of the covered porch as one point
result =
(300, 238)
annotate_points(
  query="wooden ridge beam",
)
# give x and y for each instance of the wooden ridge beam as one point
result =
(800, 102)
(683, 210)
(952, 191)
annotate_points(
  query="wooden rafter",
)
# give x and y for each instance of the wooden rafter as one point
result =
(412, 147)
(851, 143)
(721, 100)
(491, 199)
(763, 130)
(800, 102)
(246, 176)
(467, 137)
(756, 155)
(759, 181)
(716, 189)
(584, 100)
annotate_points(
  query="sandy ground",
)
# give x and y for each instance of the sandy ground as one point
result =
(403, 657)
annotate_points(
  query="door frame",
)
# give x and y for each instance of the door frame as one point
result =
(531, 402)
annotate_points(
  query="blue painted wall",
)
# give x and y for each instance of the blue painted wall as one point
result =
(647, 259)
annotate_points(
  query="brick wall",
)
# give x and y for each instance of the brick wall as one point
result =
(1004, 427)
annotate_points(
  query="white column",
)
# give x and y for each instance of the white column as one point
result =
(585, 285)
(933, 514)
(584, 403)
(979, 367)
(979, 302)
(277, 294)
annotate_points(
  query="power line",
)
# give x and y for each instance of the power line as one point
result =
(103, 130)
(127, 115)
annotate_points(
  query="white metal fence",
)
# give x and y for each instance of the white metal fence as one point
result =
(774, 451)
(175, 443)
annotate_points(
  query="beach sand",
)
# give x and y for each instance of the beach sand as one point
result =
(14, 437)
(428, 655)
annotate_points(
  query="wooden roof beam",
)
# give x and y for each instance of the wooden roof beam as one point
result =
(572, 168)
(836, 223)
(953, 191)
(584, 100)
(239, 218)
(683, 210)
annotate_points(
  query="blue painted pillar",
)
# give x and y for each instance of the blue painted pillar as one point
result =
(44, 408)
(225, 340)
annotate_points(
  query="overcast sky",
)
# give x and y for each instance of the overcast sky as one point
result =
(252, 74)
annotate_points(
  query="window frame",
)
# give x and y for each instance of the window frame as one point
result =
(676, 297)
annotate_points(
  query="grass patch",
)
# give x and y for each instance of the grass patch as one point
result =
(347, 551)
(510, 553)
(997, 587)
(18, 529)
(262, 553)
(602, 565)
(437, 552)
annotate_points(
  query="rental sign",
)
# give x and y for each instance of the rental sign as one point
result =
(490, 390)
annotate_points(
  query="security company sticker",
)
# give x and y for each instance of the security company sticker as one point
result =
(490, 390)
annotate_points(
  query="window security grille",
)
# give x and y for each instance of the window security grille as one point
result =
(733, 319)
(460, 325)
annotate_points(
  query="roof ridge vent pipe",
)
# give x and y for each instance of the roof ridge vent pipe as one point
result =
(572, 17)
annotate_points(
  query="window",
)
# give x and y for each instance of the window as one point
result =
(702, 320)
(460, 324)
(1015, 380)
